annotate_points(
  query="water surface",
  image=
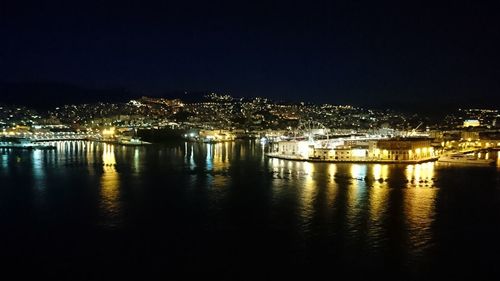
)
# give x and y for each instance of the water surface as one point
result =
(92, 211)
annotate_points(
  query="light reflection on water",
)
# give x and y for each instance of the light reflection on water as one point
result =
(309, 192)
(419, 210)
(367, 191)
(110, 183)
(4, 164)
(366, 186)
(420, 174)
(233, 188)
(38, 162)
(356, 193)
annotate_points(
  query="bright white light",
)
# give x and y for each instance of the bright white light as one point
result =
(303, 148)
(359, 152)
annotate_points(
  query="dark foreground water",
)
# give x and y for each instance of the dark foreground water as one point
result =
(92, 211)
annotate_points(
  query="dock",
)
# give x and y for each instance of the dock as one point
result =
(360, 161)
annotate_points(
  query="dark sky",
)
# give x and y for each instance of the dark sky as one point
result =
(404, 53)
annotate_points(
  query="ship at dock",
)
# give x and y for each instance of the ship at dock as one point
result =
(128, 141)
(121, 137)
(132, 141)
(466, 159)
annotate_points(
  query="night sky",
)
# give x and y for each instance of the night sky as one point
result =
(402, 55)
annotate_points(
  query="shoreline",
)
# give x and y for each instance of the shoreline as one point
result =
(45, 147)
(368, 161)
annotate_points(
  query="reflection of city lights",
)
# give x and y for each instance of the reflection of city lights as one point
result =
(191, 159)
(332, 190)
(220, 155)
(356, 192)
(378, 203)
(332, 170)
(38, 168)
(380, 173)
(108, 155)
(420, 173)
(419, 210)
(136, 159)
(358, 171)
(209, 157)
(308, 191)
(110, 183)
(5, 162)
(308, 168)
(377, 171)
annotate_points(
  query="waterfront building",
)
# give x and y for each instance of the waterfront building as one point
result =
(490, 139)
(216, 135)
(471, 123)
(409, 150)
(404, 149)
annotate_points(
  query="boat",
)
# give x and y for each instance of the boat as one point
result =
(23, 143)
(466, 159)
(132, 141)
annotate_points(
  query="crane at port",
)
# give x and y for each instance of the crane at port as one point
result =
(414, 130)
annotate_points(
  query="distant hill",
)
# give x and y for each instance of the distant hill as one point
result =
(185, 96)
(48, 95)
(44, 96)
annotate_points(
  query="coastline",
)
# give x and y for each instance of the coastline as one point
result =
(368, 161)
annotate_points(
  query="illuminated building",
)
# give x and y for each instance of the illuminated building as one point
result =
(108, 133)
(410, 150)
(216, 135)
(471, 123)
(405, 149)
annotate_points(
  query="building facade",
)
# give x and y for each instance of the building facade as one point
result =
(388, 150)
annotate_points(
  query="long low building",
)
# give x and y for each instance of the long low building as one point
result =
(398, 150)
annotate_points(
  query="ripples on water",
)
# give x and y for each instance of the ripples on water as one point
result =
(225, 206)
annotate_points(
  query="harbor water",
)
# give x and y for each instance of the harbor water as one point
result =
(95, 211)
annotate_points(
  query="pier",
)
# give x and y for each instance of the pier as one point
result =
(364, 161)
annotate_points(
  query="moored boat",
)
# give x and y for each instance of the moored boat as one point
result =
(466, 160)
(132, 141)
